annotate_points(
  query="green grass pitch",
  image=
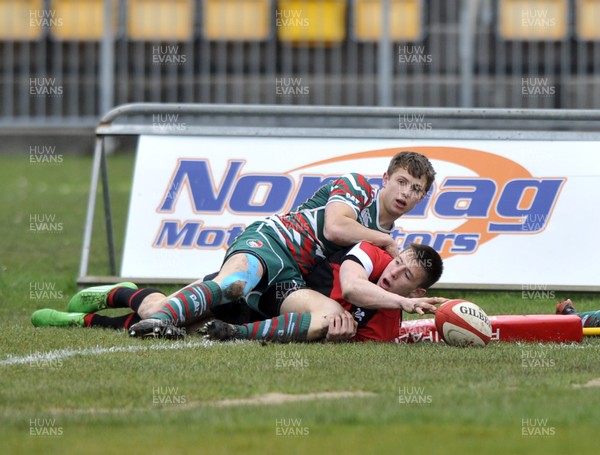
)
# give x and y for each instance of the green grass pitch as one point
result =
(94, 391)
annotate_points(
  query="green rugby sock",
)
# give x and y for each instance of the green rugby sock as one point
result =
(190, 302)
(282, 329)
(590, 318)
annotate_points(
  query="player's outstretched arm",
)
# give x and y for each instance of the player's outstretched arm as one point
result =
(358, 290)
(342, 229)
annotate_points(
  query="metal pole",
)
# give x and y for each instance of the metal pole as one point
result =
(384, 58)
(89, 218)
(346, 111)
(107, 61)
(107, 212)
(466, 46)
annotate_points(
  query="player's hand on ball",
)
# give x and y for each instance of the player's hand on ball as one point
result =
(342, 327)
(422, 305)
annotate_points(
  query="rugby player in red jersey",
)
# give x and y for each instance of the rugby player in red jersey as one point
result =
(368, 283)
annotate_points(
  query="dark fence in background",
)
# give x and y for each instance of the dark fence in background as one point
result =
(62, 62)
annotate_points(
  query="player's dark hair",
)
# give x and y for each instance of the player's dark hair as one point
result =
(431, 262)
(416, 164)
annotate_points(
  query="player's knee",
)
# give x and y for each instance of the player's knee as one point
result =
(319, 320)
(328, 307)
(319, 325)
(233, 290)
(238, 284)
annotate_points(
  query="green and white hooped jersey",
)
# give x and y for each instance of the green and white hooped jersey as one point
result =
(301, 230)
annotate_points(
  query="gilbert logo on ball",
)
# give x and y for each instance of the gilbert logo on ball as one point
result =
(462, 323)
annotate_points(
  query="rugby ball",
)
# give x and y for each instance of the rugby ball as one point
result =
(462, 323)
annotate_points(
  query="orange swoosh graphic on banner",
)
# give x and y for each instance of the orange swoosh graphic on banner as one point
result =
(501, 170)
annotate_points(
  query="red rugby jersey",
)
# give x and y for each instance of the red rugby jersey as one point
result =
(373, 325)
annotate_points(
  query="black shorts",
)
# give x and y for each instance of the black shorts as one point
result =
(269, 304)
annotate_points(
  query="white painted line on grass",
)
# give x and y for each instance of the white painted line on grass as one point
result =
(593, 383)
(273, 398)
(60, 354)
(281, 398)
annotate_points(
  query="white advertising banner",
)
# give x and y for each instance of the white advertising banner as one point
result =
(500, 213)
